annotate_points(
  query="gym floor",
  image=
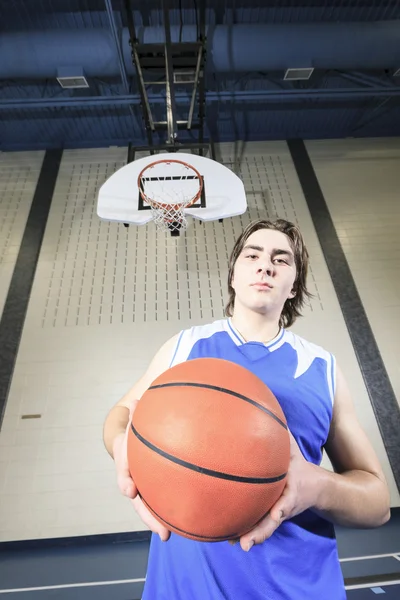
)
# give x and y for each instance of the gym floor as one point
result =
(85, 304)
(114, 566)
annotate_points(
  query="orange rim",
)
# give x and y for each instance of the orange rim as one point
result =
(166, 206)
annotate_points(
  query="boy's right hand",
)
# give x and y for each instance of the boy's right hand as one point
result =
(126, 484)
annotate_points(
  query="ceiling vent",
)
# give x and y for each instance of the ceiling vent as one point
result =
(71, 77)
(298, 74)
(72, 82)
(184, 76)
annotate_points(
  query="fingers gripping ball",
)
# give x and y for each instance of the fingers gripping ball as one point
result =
(208, 449)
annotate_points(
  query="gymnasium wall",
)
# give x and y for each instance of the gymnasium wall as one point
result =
(360, 181)
(104, 299)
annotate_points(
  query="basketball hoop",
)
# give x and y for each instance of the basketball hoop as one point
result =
(175, 181)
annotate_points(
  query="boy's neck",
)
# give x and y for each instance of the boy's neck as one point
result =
(254, 327)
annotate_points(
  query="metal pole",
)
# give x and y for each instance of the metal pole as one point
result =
(119, 51)
(196, 79)
(124, 75)
(131, 153)
(142, 87)
(170, 92)
(202, 91)
(142, 90)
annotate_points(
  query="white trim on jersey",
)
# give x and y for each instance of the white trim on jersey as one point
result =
(332, 377)
(239, 339)
(233, 332)
(307, 352)
(176, 348)
(189, 337)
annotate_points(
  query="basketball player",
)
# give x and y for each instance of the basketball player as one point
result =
(292, 553)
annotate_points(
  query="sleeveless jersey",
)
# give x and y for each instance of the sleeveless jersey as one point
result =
(300, 559)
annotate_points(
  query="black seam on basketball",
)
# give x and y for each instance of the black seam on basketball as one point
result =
(225, 391)
(203, 470)
(203, 537)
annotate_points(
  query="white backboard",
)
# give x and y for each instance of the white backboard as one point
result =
(223, 192)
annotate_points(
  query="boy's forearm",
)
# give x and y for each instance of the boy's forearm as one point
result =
(353, 499)
(115, 424)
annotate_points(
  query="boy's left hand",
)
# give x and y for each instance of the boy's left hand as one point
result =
(300, 493)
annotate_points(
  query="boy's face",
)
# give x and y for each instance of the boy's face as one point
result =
(265, 272)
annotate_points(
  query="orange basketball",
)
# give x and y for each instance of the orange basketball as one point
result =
(208, 449)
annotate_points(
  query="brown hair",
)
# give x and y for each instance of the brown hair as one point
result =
(292, 306)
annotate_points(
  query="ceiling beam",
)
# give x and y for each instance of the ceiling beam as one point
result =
(243, 96)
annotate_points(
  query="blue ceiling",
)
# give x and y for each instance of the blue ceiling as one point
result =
(341, 99)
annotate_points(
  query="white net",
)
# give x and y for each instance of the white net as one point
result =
(169, 187)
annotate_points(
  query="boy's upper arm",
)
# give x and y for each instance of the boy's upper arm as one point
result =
(160, 363)
(348, 446)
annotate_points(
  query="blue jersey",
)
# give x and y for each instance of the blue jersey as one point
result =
(300, 559)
